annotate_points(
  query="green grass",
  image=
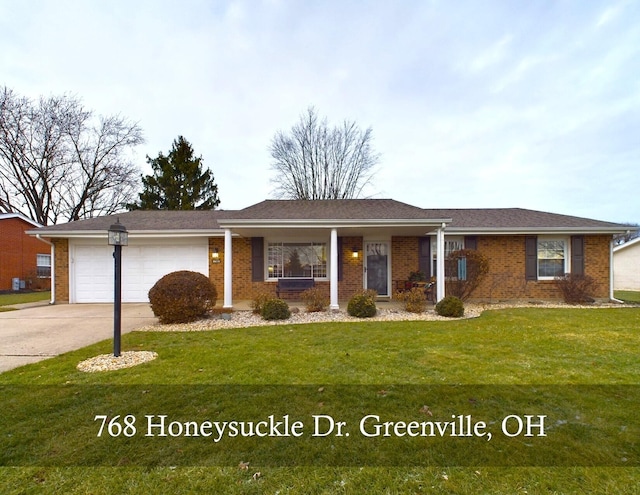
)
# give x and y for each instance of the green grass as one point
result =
(23, 297)
(628, 296)
(582, 366)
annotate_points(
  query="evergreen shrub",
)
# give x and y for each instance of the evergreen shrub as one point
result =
(275, 309)
(182, 297)
(450, 306)
(363, 304)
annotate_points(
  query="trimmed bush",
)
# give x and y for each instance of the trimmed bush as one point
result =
(258, 301)
(576, 289)
(451, 307)
(182, 297)
(363, 304)
(415, 300)
(275, 309)
(315, 300)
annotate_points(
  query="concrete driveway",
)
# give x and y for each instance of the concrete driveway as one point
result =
(32, 334)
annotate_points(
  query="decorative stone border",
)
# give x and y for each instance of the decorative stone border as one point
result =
(108, 362)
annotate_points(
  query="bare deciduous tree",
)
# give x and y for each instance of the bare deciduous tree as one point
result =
(58, 163)
(316, 162)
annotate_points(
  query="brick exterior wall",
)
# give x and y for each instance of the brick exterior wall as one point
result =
(18, 255)
(61, 268)
(404, 257)
(506, 278)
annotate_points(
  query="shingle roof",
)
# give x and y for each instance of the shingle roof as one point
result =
(143, 220)
(513, 218)
(338, 209)
(386, 210)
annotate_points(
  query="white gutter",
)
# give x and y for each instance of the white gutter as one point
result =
(53, 271)
(611, 274)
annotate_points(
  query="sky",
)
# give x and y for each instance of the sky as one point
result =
(472, 104)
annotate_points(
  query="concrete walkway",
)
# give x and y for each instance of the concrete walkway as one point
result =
(37, 332)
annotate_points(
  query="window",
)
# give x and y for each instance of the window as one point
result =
(552, 257)
(297, 260)
(43, 265)
(451, 244)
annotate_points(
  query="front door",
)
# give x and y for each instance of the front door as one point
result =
(376, 267)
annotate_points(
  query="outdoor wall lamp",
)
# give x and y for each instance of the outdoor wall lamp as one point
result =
(355, 253)
(118, 237)
(215, 256)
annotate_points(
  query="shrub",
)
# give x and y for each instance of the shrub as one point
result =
(181, 297)
(450, 306)
(259, 300)
(415, 300)
(363, 304)
(315, 300)
(417, 276)
(576, 289)
(465, 269)
(275, 309)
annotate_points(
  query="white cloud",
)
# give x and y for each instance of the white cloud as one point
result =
(472, 103)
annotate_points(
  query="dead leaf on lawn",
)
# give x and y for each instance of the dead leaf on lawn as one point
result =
(243, 465)
(425, 410)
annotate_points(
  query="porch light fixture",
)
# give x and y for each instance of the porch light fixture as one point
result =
(215, 256)
(355, 252)
(118, 237)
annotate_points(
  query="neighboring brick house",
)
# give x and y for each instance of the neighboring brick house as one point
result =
(23, 258)
(344, 245)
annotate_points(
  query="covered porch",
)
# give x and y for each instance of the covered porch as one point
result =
(350, 255)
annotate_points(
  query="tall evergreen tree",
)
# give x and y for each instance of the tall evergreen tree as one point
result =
(178, 182)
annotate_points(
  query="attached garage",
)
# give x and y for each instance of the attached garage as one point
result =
(144, 261)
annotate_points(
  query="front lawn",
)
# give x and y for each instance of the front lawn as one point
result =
(23, 297)
(628, 296)
(578, 367)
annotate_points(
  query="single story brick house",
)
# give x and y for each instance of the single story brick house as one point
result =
(626, 266)
(23, 258)
(343, 245)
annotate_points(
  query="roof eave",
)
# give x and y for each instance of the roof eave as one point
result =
(102, 234)
(328, 223)
(533, 230)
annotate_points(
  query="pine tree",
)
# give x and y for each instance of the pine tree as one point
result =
(178, 182)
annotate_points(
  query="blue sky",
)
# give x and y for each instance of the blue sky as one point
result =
(472, 104)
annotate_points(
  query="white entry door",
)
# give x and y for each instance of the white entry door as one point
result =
(377, 268)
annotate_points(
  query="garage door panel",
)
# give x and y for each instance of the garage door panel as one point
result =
(143, 264)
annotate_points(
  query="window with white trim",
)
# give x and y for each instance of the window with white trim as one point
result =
(43, 265)
(297, 260)
(451, 244)
(553, 256)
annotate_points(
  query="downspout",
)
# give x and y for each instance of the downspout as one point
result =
(228, 269)
(53, 264)
(611, 274)
(440, 288)
(333, 272)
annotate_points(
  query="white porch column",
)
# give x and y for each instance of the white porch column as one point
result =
(440, 263)
(228, 263)
(333, 271)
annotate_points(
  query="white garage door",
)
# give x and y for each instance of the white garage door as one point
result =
(143, 263)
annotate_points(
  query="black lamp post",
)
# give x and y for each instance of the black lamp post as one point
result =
(118, 237)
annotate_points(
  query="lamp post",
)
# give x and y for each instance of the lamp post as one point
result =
(118, 237)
